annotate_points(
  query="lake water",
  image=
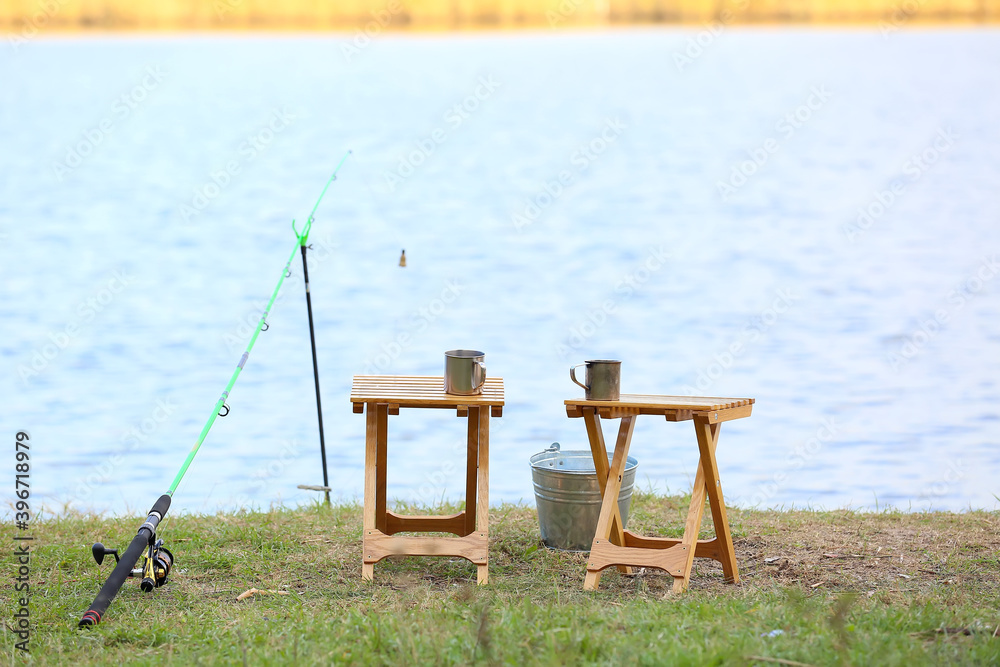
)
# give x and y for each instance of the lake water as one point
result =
(807, 217)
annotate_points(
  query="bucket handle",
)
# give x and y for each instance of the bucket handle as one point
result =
(554, 447)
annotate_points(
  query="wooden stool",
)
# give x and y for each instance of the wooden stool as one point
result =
(615, 546)
(384, 395)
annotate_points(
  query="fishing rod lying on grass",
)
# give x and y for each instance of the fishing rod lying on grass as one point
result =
(157, 560)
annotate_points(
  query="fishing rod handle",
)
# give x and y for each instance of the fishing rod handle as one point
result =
(114, 583)
(124, 567)
(156, 514)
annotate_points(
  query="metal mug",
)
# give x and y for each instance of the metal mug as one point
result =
(603, 379)
(464, 372)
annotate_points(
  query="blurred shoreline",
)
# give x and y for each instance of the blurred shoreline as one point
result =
(27, 18)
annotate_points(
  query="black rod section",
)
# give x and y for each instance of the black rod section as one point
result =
(319, 405)
(124, 567)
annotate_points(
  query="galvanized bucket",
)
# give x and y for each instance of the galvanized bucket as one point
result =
(569, 499)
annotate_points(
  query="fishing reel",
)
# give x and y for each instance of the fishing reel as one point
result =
(155, 567)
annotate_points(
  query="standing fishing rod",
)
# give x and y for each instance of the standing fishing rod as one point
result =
(158, 560)
(303, 238)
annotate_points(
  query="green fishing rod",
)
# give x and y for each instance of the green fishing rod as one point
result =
(158, 560)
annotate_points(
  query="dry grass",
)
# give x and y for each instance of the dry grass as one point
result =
(846, 550)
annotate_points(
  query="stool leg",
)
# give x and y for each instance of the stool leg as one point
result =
(382, 436)
(708, 440)
(483, 500)
(609, 505)
(617, 525)
(595, 434)
(472, 471)
(371, 465)
(706, 484)
(691, 527)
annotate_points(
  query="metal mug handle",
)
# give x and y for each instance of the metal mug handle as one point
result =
(572, 376)
(482, 374)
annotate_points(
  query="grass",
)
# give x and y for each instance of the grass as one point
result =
(821, 588)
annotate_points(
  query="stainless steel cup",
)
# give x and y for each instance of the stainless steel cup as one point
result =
(464, 372)
(603, 379)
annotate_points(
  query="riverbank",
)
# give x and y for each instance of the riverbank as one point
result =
(27, 17)
(838, 587)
